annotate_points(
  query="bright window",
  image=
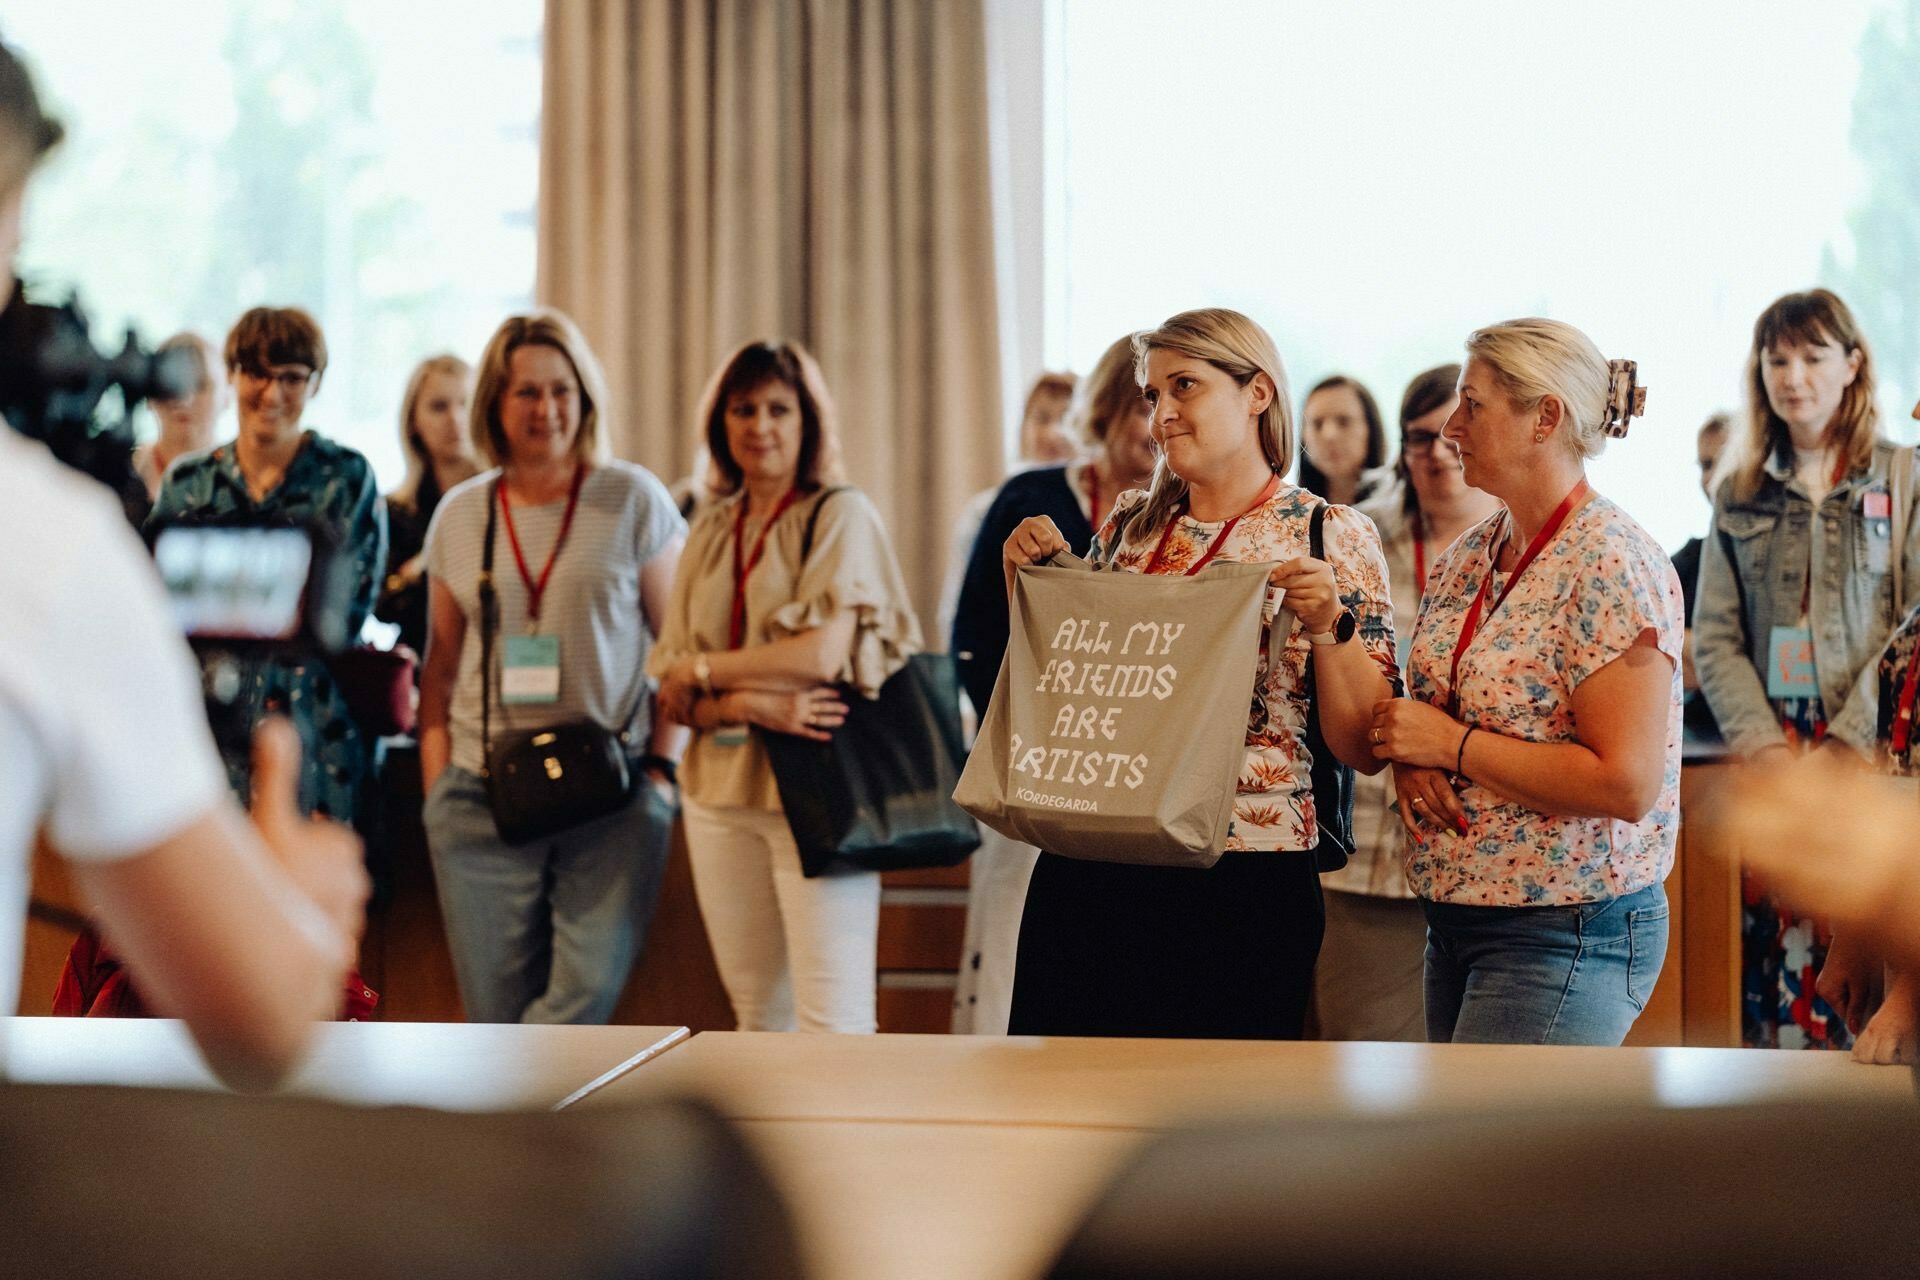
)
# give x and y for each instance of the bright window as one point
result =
(1373, 181)
(373, 162)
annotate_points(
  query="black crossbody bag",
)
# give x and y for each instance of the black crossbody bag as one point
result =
(542, 782)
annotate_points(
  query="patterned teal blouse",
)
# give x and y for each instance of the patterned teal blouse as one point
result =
(326, 484)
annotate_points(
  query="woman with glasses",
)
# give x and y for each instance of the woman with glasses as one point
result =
(1367, 984)
(279, 472)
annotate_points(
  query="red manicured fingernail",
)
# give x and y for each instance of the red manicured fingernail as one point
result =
(1463, 826)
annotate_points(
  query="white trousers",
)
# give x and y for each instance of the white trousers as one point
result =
(794, 953)
(996, 899)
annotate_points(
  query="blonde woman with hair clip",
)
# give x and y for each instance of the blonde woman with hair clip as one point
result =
(1537, 756)
(1113, 949)
(1110, 415)
(435, 439)
(547, 580)
(1797, 600)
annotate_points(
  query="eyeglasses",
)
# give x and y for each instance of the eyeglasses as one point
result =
(1424, 442)
(291, 379)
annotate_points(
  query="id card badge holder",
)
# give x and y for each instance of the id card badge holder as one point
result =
(730, 735)
(530, 670)
(1790, 669)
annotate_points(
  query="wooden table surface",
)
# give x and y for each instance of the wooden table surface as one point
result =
(1153, 1084)
(450, 1065)
(972, 1158)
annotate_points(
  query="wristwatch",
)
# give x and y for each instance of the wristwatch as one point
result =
(1343, 628)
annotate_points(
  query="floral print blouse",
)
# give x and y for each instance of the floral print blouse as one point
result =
(328, 484)
(1587, 598)
(1274, 805)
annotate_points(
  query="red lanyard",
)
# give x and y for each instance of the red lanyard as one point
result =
(1470, 625)
(1220, 540)
(1420, 562)
(744, 565)
(1903, 722)
(535, 590)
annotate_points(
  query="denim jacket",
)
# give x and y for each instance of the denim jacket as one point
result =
(1750, 582)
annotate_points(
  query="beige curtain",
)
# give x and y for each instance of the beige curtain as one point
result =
(714, 171)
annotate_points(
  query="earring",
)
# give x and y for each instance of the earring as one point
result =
(1539, 437)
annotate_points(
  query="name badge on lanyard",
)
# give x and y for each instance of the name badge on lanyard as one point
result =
(530, 669)
(1790, 669)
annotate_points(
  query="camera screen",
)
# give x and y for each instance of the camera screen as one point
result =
(236, 584)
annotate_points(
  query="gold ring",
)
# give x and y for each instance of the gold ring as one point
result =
(1417, 801)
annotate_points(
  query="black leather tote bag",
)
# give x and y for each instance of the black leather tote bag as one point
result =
(879, 795)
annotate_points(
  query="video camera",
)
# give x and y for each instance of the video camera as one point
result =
(239, 590)
(52, 383)
(243, 591)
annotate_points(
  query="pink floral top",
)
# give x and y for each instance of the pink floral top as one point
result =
(1590, 595)
(1274, 807)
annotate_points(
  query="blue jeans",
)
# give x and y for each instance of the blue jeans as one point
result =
(545, 931)
(1543, 975)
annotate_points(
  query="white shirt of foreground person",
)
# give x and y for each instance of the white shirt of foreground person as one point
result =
(103, 736)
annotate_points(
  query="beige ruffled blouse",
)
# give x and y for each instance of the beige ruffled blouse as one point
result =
(851, 566)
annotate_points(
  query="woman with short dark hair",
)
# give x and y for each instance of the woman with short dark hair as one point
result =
(279, 471)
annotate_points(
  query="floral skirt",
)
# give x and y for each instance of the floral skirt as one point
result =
(1781, 956)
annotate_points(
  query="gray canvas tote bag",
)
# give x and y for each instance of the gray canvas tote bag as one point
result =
(1118, 725)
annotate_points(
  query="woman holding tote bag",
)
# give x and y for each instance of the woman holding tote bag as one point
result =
(1112, 949)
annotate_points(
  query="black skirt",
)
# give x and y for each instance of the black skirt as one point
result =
(1108, 949)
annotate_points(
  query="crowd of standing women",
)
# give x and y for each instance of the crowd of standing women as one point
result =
(1498, 651)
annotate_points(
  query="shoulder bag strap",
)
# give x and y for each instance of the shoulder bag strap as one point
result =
(489, 621)
(1121, 519)
(1900, 486)
(813, 521)
(1283, 621)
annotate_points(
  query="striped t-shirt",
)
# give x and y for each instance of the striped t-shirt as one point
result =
(592, 601)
